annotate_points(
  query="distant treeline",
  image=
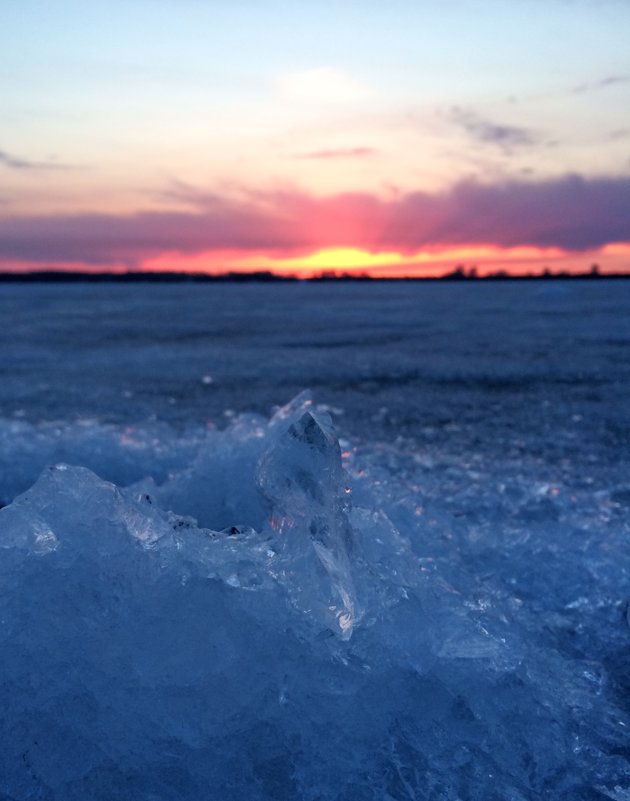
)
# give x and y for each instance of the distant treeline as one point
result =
(265, 276)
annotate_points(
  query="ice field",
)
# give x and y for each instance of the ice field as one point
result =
(315, 541)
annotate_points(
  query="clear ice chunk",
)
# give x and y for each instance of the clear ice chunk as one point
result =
(303, 482)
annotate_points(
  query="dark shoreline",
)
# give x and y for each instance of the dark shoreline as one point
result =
(67, 277)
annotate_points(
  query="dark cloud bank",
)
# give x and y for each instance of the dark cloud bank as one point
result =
(572, 213)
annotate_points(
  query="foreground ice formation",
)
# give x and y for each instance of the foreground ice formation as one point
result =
(251, 614)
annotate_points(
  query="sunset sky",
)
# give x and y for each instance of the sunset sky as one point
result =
(396, 137)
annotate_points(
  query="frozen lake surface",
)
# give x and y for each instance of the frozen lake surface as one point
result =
(411, 584)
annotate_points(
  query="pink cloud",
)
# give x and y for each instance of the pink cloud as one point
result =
(571, 213)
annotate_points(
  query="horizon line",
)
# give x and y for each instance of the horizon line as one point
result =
(459, 274)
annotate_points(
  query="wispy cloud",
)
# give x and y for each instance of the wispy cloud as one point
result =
(506, 137)
(339, 153)
(185, 194)
(17, 163)
(572, 213)
(602, 83)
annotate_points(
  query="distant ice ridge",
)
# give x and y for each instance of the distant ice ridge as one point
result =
(263, 617)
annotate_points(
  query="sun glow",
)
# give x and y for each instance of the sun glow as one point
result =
(346, 259)
(394, 264)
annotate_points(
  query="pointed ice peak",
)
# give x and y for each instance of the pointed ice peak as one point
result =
(302, 480)
(317, 431)
(293, 408)
(303, 468)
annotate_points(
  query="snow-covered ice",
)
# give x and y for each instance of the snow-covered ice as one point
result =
(411, 583)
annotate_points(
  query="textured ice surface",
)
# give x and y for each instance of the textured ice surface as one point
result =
(433, 606)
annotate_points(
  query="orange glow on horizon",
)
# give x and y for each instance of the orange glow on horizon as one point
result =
(431, 262)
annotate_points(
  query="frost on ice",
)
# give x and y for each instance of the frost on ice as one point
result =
(246, 614)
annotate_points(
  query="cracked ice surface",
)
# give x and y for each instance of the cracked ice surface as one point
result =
(272, 611)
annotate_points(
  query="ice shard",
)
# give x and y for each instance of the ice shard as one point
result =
(305, 487)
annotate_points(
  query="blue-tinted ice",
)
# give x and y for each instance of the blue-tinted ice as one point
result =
(419, 591)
